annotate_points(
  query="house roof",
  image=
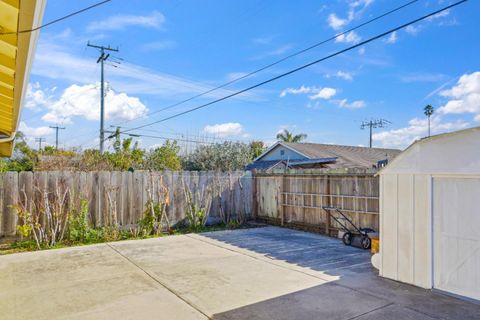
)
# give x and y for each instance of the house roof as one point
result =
(269, 164)
(347, 156)
(262, 165)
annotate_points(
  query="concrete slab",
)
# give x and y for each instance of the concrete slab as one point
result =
(262, 273)
(394, 312)
(84, 282)
(328, 301)
(211, 278)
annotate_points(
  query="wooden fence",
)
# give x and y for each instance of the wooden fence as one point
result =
(127, 192)
(295, 198)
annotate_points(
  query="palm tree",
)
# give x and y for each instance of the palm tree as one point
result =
(428, 111)
(287, 136)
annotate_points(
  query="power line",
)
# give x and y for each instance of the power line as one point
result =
(281, 60)
(134, 135)
(56, 20)
(56, 134)
(381, 35)
(101, 59)
(379, 123)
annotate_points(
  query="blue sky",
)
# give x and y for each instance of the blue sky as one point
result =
(172, 50)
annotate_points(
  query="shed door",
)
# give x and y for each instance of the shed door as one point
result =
(456, 236)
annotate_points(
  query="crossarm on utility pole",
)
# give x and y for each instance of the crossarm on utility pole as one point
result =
(101, 59)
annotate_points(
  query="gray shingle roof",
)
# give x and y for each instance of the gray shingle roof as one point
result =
(348, 156)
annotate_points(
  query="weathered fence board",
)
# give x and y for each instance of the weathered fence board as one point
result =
(121, 196)
(296, 198)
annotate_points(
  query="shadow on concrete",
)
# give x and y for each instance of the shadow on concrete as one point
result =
(358, 293)
(317, 252)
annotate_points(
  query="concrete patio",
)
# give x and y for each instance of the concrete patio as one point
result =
(260, 273)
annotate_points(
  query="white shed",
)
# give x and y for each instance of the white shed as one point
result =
(430, 214)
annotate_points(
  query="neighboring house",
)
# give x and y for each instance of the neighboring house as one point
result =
(314, 155)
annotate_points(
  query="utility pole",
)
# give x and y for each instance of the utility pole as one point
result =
(40, 140)
(101, 59)
(379, 123)
(56, 134)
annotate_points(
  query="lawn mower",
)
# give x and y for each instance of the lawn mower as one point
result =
(358, 237)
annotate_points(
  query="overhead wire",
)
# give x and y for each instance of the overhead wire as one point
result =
(122, 123)
(281, 60)
(57, 20)
(361, 43)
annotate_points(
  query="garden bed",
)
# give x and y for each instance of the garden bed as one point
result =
(103, 235)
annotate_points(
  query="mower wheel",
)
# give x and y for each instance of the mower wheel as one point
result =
(366, 242)
(347, 238)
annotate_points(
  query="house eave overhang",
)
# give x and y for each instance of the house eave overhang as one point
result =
(16, 55)
(283, 145)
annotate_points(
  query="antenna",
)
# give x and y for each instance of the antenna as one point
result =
(378, 123)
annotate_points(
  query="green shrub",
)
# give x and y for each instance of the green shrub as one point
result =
(151, 223)
(79, 227)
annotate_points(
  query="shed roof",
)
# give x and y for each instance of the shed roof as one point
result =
(456, 152)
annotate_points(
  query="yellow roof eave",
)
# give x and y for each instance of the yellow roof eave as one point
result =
(16, 55)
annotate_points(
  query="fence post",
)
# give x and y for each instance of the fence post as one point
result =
(283, 199)
(254, 194)
(329, 203)
(10, 199)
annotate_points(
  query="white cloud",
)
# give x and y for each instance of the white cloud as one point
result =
(84, 101)
(324, 93)
(439, 18)
(355, 9)
(224, 129)
(439, 15)
(412, 29)
(392, 38)
(317, 93)
(120, 22)
(55, 62)
(357, 104)
(464, 96)
(31, 132)
(36, 98)
(416, 129)
(361, 51)
(351, 37)
(342, 75)
(335, 22)
(302, 90)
